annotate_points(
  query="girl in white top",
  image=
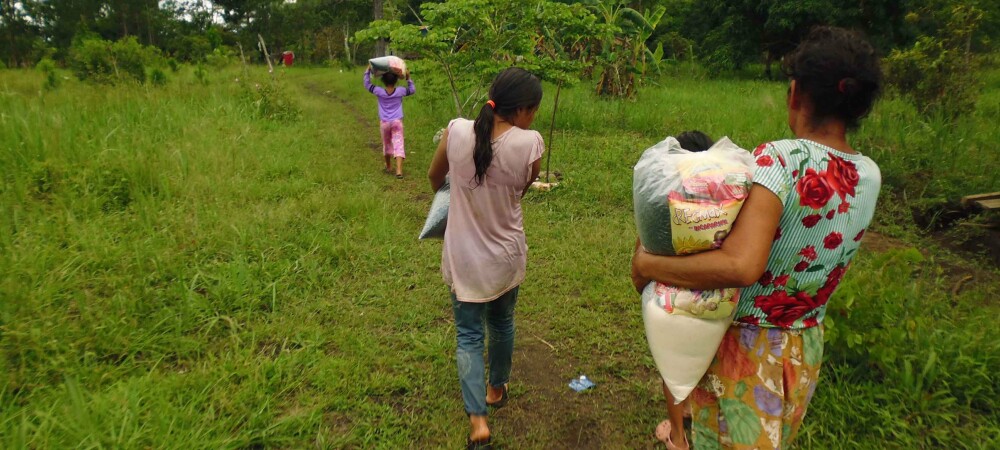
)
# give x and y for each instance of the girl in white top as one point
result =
(492, 162)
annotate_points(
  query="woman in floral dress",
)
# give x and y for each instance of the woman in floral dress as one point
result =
(812, 199)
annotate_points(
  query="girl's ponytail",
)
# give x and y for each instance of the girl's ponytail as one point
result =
(482, 156)
(512, 90)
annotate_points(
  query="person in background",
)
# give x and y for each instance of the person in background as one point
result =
(812, 199)
(390, 113)
(491, 163)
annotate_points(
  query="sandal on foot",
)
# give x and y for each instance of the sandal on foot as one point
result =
(503, 399)
(482, 444)
(399, 175)
(663, 435)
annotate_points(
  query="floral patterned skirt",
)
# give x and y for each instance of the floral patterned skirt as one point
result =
(757, 389)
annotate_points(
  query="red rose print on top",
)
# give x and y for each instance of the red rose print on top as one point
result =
(814, 189)
(783, 309)
(760, 149)
(842, 175)
(765, 161)
(832, 281)
(811, 220)
(833, 240)
(809, 253)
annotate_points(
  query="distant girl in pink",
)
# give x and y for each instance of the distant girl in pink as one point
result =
(390, 113)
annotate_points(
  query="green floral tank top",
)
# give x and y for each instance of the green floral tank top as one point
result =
(829, 198)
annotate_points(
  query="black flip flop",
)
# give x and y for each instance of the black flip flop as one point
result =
(479, 445)
(503, 399)
(399, 175)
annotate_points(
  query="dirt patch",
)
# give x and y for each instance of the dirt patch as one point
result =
(880, 243)
(542, 407)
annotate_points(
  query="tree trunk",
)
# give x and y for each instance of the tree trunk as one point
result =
(768, 59)
(552, 126)
(347, 45)
(377, 15)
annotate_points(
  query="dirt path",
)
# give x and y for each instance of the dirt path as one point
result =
(542, 408)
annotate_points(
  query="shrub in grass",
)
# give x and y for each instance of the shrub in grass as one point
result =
(268, 100)
(48, 67)
(157, 77)
(108, 62)
(201, 74)
(939, 73)
(924, 353)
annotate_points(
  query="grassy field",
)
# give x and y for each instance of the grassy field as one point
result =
(224, 266)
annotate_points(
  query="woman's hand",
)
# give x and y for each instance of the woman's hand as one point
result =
(439, 164)
(638, 279)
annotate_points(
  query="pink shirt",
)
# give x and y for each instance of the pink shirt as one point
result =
(485, 252)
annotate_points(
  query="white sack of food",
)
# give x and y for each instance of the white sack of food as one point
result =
(437, 217)
(682, 344)
(390, 63)
(686, 202)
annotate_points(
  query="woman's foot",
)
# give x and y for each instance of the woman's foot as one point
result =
(667, 435)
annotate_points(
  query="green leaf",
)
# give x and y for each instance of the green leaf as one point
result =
(812, 343)
(816, 268)
(744, 426)
(741, 388)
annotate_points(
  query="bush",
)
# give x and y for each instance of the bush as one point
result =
(926, 348)
(103, 61)
(219, 58)
(937, 79)
(157, 77)
(939, 72)
(267, 100)
(201, 74)
(48, 67)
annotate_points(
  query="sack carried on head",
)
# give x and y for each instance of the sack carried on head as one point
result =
(390, 63)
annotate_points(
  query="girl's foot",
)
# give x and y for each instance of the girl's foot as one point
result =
(479, 437)
(664, 432)
(399, 175)
(387, 171)
(497, 397)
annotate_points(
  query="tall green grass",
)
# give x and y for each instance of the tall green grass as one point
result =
(179, 271)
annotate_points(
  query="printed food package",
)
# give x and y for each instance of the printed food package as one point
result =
(685, 202)
(437, 217)
(389, 64)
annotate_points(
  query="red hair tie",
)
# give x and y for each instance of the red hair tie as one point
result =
(492, 105)
(842, 86)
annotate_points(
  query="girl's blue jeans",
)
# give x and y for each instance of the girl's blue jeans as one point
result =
(499, 318)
